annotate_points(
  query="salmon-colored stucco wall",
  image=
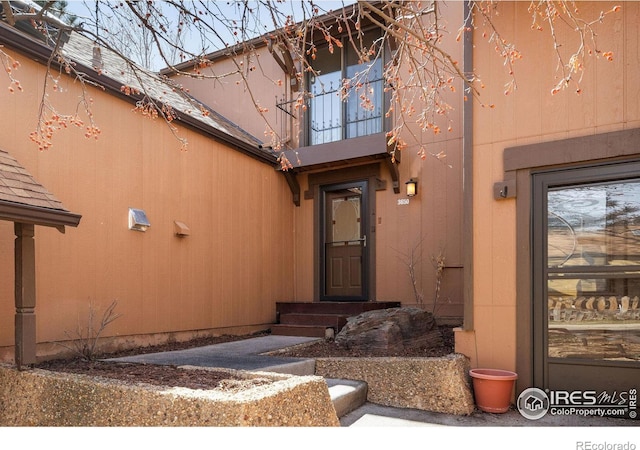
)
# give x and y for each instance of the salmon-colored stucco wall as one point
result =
(531, 114)
(229, 272)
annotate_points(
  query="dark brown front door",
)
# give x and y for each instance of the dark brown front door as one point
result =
(586, 251)
(344, 242)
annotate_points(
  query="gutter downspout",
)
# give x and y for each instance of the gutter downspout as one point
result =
(467, 174)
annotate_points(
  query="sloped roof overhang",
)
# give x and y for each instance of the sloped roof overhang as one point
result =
(22, 213)
(347, 152)
(24, 200)
(41, 53)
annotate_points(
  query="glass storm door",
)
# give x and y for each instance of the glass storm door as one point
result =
(344, 242)
(587, 278)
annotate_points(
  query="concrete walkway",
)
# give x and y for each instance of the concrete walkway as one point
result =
(249, 354)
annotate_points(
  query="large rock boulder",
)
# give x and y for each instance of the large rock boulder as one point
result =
(392, 330)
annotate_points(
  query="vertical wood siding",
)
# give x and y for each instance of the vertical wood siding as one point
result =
(608, 102)
(237, 262)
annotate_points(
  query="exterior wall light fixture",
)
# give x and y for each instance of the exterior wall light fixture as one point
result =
(138, 220)
(412, 187)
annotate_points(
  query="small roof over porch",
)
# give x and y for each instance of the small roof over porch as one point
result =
(342, 153)
(27, 203)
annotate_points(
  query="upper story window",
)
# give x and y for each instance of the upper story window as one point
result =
(339, 110)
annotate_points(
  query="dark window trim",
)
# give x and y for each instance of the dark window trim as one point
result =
(519, 165)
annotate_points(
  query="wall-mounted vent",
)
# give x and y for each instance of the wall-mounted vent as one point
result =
(138, 220)
(181, 229)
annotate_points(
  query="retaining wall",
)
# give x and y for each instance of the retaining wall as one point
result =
(431, 384)
(42, 398)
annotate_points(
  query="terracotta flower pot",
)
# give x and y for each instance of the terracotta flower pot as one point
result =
(492, 389)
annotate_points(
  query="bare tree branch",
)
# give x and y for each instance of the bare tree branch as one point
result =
(420, 76)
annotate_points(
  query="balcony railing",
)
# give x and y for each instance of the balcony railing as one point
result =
(332, 119)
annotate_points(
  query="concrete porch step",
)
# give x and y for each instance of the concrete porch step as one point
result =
(347, 395)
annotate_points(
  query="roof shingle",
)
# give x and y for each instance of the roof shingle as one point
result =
(18, 186)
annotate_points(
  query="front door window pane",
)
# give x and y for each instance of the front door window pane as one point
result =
(345, 226)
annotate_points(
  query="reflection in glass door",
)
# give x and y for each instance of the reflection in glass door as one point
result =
(590, 232)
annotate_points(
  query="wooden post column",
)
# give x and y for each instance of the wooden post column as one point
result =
(25, 296)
